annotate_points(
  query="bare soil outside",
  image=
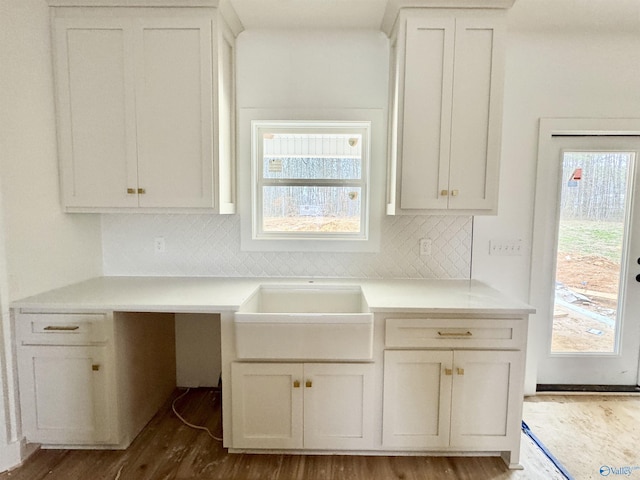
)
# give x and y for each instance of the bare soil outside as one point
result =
(311, 224)
(597, 278)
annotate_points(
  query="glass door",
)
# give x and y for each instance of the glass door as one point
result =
(594, 332)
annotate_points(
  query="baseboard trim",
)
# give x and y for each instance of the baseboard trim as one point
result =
(14, 454)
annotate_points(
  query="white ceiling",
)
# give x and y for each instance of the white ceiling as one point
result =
(310, 13)
(571, 15)
(605, 15)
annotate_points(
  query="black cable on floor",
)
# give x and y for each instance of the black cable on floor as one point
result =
(527, 431)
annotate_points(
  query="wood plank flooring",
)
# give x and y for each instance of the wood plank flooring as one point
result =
(167, 449)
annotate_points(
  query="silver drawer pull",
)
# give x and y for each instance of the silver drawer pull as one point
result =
(455, 334)
(61, 328)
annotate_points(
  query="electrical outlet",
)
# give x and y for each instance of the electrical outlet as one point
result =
(159, 245)
(425, 247)
(506, 247)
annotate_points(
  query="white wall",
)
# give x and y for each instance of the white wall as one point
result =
(45, 248)
(551, 73)
(42, 248)
(307, 69)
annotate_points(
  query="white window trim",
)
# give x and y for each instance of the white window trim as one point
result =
(375, 172)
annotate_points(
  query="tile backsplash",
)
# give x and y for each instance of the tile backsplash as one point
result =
(209, 245)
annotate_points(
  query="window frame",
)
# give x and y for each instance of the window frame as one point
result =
(377, 175)
(258, 181)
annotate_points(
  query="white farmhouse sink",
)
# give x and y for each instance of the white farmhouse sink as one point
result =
(304, 323)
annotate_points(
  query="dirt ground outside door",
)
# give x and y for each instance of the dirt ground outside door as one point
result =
(591, 283)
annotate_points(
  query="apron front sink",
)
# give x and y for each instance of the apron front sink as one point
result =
(304, 323)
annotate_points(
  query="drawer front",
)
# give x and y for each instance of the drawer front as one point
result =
(455, 333)
(62, 328)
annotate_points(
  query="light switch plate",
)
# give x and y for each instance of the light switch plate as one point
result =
(503, 247)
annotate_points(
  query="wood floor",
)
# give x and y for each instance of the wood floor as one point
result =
(166, 450)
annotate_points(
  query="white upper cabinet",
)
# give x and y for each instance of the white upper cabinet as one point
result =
(446, 112)
(174, 121)
(145, 101)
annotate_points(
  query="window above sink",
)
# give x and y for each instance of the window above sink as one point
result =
(311, 181)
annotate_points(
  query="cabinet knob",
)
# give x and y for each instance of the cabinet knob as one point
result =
(460, 371)
(296, 384)
(142, 191)
(448, 371)
(95, 368)
(308, 384)
(131, 191)
(444, 193)
(454, 193)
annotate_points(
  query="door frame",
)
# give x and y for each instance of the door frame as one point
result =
(543, 249)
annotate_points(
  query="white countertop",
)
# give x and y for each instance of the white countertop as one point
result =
(213, 294)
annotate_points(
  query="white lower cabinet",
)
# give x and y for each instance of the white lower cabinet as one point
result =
(66, 377)
(76, 391)
(417, 399)
(486, 402)
(316, 406)
(451, 399)
(66, 395)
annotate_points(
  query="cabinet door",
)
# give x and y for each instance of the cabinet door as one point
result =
(426, 117)
(266, 405)
(486, 401)
(65, 395)
(338, 406)
(477, 114)
(96, 111)
(417, 399)
(174, 112)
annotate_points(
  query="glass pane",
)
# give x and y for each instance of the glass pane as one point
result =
(311, 209)
(312, 156)
(590, 247)
(313, 168)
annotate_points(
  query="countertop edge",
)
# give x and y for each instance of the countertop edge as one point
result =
(223, 295)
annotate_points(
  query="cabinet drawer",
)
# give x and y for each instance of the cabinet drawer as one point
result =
(455, 333)
(62, 328)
